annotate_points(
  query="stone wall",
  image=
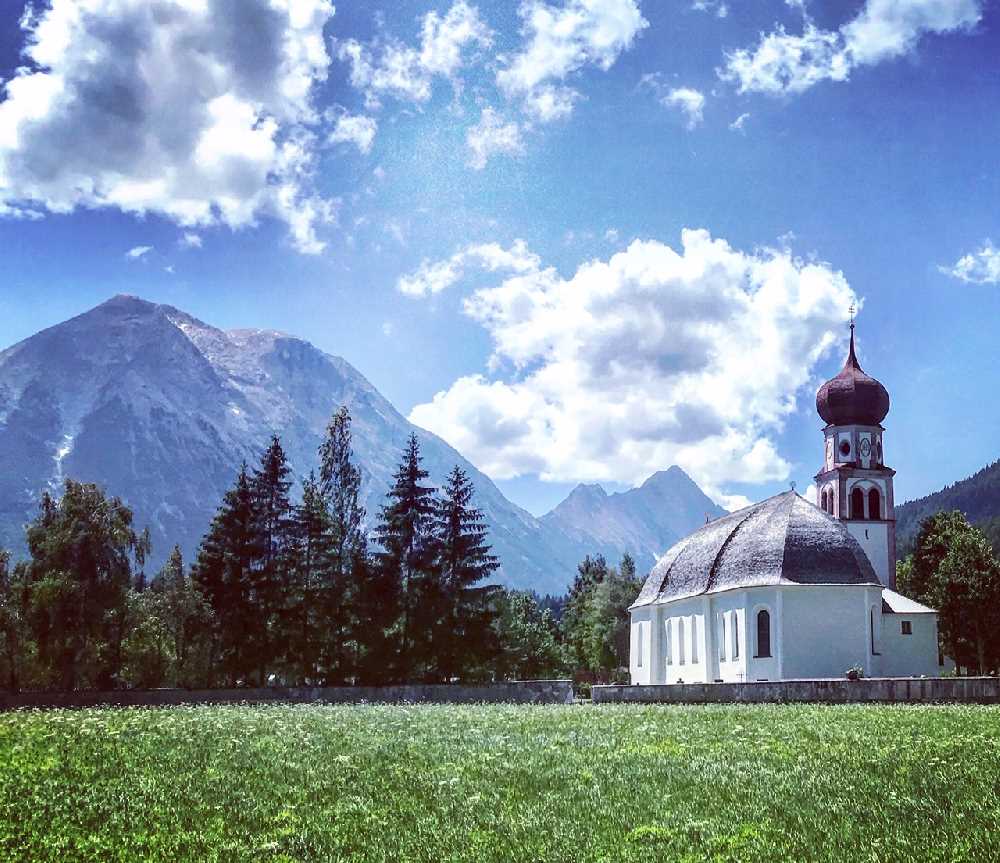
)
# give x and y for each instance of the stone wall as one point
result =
(875, 690)
(517, 692)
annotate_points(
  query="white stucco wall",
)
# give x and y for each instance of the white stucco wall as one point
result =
(639, 653)
(825, 629)
(873, 537)
(913, 655)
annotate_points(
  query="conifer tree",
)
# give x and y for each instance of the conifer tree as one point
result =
(340, 485)
(408, 559)
(187, 618)
(269, 583)
(310, 567)
(224, 572)
(462, 634)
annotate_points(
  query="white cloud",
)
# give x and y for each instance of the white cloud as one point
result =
(611, 235)
(137, 252)
(883, 29)
(355, 129)
(981, 267)
(490, 136)
(690, 102)
(434, 277)
(561, 40)
(650, 358)
(405, 72)
(715, 7)
(739, 124)
(184, 109)
(190, 240)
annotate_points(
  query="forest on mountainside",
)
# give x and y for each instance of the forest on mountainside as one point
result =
(976, 497)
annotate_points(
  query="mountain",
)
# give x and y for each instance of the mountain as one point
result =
(645, 521)
(978, 496)
(161, 409)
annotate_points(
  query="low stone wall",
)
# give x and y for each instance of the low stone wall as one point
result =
(516, 692)
(874, 690)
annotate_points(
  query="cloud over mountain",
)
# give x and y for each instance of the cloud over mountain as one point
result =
(654, 356)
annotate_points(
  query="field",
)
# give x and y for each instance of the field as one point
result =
(501, 783)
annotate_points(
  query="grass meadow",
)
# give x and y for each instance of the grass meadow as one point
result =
(510, 783)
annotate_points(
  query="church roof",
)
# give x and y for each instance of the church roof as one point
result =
(781, 540)
(896, 603)
(852, 397)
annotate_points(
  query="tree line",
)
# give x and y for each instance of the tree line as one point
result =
(296, 592)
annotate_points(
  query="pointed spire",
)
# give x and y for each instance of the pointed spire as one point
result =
(852, 357)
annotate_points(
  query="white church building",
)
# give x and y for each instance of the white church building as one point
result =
(786, 589)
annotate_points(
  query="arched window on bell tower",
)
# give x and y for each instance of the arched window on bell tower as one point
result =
(874, 504)
(857, 504)
(825, 502)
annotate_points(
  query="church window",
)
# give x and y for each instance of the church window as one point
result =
(763, 633)
(694, 639)
(639, 645)
(857, 503)
(907, 627)
(736, 636)
(680, 640)
(722, 638)
(825, 502)
(667, 638)
(874, 504)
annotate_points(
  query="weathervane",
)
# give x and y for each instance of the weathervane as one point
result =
(792, 484)
(852, 310)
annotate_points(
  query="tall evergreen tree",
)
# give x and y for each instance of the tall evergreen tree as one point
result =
(269, 582)
(12, 616)
(340, 483)
(187, 619)
(307, 602)
(224, 572)
(462, 636)
(408, 558)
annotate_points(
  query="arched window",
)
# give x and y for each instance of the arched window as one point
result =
(830, 510)
(825, 503)
(874, 504)
(763, 633)
(669, 649)
(694, 638)
(857, 503)
(722, 638)
(640, 645)
(736, 636)
(680, 640)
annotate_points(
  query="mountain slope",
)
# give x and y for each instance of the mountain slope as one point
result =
(161, 409)
(644, 521)
(978, 496)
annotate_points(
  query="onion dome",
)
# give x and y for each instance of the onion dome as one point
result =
(782, 540)
(852, 397)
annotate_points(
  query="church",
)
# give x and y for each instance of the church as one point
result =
(786, 589)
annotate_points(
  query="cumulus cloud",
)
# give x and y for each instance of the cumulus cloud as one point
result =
(784, 62)
(192, 110)
(716, 7)
(190, 240)
(981, 267)
(392, 68)
(653, 357)
(355, 129)
(137, 252)
(561, 40)
(434, 277)
(490, 136)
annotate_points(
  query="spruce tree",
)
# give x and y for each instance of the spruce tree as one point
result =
(310, 567)
(408, 559)
(462, 634)
(340, 484)
(269, 573)
(224, 572)
(188, 621)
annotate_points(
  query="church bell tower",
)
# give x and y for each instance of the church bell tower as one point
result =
(854, 483)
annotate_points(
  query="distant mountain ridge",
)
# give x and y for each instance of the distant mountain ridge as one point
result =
(646, 520)
(161, 408)
(978, 496)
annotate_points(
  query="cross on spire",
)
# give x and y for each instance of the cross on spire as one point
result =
(852, 310)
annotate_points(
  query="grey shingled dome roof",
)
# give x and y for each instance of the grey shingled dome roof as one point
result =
(782, 540)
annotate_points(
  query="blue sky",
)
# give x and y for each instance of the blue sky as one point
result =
(582, 239)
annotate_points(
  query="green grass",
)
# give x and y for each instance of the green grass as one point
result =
(501, 783)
